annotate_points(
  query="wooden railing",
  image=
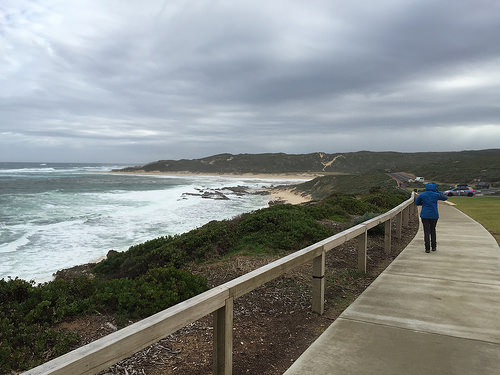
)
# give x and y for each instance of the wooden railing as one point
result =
(102, 353)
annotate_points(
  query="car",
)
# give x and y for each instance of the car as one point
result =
(482, 185)
(460, 191)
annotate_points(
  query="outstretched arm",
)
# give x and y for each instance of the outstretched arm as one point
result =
(418, 201)
(443, 197)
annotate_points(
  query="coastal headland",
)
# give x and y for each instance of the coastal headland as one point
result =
(449, 167)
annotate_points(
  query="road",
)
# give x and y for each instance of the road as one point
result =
(400, 177)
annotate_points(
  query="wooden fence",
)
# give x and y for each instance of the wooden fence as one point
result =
(101, 354)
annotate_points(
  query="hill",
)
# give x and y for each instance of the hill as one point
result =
(446, 167)
(324, 186)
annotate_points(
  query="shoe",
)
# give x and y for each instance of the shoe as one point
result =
(434, 249)
(427, 251)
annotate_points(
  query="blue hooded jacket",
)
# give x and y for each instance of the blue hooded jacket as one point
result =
(428, 200)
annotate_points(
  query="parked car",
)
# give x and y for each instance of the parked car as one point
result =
(460, 190)
(482, 185)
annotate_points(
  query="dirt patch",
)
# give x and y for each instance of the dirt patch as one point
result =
(273, 324)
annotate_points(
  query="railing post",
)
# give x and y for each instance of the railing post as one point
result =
(223, 339)
(406, 216)
(412, 209)
(387, 237)
(399, 224)
(318, 284)
(362, 244)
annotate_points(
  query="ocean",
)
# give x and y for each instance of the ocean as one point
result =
(58, 215)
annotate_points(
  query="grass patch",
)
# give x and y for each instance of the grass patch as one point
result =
(482, 209)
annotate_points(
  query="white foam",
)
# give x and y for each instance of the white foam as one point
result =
(27, 170)
(60, 230)
(11, 247)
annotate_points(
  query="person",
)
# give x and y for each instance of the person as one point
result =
(429, 214)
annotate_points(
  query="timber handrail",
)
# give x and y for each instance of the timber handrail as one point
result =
(102, 353)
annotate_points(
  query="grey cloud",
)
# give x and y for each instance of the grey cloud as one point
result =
(177, 79)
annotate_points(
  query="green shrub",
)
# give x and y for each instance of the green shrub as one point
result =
(157, 290)
(326, 210)
(377, 230)
(349, 204)
(14, 290)
(385, 200)
(279, 228)
(213, 239)
(25, 333)
(138, 260)
(26, 319)
(26, 345)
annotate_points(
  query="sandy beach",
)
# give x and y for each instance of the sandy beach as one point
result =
(274, 176)
(288, 195)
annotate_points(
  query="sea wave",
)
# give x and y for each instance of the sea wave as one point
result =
(57, 220)
(51, 168)
(28, 170)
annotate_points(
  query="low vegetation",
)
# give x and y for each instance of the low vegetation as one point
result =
(28, 311)
(152, 276)
(324, 186)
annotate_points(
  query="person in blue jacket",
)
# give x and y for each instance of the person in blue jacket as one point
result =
(429, 214)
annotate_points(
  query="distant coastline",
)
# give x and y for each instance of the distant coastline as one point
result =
(277, 176)
(280, 194)
(471, 166)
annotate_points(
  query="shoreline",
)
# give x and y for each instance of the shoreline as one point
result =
(277, 195)
(280, 194)
(278, 176)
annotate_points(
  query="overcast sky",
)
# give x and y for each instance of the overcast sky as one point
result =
(138, 81)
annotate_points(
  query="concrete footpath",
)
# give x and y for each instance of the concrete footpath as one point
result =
(431, 314)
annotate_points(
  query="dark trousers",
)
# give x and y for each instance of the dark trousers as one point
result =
(429, 233)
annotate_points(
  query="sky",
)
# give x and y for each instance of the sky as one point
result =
(135, 82)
